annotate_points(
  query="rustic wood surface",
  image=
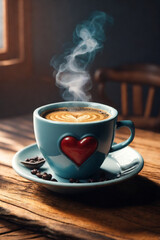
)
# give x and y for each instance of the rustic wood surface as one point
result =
(129, 210)
(10, 231)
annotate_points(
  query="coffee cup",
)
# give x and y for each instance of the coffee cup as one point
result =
(76, 137)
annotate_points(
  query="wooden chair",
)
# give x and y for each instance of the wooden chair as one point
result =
(137, 76)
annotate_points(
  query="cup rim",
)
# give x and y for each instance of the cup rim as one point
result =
(38, 111)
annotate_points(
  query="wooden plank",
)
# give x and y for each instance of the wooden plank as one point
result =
(124, 99)
(124, 211)
(137, 100)
(149, 102)
(10, 231)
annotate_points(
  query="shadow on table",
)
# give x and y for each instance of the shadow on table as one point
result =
(136, 191)
(128, 206)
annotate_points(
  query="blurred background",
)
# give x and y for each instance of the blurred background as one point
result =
(32, 32)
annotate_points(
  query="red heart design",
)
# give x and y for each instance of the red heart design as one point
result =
(78, 150)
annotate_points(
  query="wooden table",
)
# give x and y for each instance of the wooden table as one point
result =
(129, 210)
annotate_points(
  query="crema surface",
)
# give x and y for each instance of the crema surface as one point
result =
(76, 115)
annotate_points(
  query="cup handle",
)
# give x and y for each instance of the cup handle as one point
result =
(130, 125)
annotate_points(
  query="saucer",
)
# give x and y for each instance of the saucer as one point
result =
(118, 166)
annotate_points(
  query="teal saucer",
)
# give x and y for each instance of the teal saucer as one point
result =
(118, 166)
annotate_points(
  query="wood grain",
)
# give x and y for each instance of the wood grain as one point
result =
(10, 231)
(137, 100)
(124, 99)
(149, 102)
(129, 210)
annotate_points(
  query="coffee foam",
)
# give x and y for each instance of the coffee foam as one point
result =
(76, 114)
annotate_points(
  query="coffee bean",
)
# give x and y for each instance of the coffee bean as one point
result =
(46, 176)
(39, 175)
(34, 171)
(54, 180)
(49, 176)
(32, 161)
(73, 180)
(40, 159)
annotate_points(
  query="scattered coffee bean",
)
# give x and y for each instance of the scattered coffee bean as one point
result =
(46, 176)
(49, 176)
(39, 175)
(34, 171)
(73, 180)
(54, 180)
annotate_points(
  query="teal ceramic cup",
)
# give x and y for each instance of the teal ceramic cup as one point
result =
(77, 150)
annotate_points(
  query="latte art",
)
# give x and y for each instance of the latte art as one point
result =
(77, 115)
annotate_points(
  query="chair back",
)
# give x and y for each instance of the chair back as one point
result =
(137, 76)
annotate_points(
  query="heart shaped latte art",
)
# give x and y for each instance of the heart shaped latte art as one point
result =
(78, 150)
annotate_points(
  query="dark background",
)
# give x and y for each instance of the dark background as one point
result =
(133, 38)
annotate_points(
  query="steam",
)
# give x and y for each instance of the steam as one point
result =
(72, 72)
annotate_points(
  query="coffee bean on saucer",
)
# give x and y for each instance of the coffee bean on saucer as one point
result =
(49, 176)
(54, 180)
(39, 175)
(34, 171)
(73, 180)
(46, 176)
(32, 161)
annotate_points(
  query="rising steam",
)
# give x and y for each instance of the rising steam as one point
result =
(71, 73)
